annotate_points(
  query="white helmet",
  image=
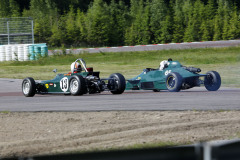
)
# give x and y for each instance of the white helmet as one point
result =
(76, 67)
(163, 64)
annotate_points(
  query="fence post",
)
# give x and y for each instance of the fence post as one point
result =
(8, 32)
(32, 33)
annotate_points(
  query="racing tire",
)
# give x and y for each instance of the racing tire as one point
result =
(174, 82)
(29, 87)
(212, 81)
(120, 83)
(77, 85)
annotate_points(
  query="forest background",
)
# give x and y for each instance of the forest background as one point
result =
(94, 23)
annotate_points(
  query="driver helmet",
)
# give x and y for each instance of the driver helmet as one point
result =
(163, 64)
(76, 67)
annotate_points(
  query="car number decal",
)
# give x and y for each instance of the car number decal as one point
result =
(64, 84)
(167, 72)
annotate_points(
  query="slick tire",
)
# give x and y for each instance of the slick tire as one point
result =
(174, 82)
(77, 85)
(119, 82)
(212, 81)
(28, 87)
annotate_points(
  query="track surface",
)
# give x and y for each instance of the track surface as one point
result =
(11, 99)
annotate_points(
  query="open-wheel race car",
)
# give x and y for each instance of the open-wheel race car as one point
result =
(81, 80)
(172, 76)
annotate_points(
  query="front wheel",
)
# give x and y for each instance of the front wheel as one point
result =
(28, 87)
(174, 82)
(77, 85)
(212, 81)
(117, 83)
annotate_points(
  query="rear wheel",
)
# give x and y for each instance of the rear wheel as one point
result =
(77, 85)
(174, 82)
(117, 82)
(28, 87)
(212, 81)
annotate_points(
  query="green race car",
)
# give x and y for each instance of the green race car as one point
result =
(81, 80)
(172, 76)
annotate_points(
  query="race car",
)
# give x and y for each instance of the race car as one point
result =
(172, 76)
(81, 80)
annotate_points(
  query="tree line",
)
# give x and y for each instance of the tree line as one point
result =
(131, 22)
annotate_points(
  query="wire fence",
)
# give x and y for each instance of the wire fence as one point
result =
(18, 30)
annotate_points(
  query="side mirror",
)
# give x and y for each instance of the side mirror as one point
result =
(55, 70)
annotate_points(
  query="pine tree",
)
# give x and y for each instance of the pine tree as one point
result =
(189, 21)
(56, 36)
(226, 21)
(131, 31)
(97, 23)
(71, 30)
(219, 20)
(207, 24)
(4, 9)
(144, 27)
(166, 30)
(234, 27)
(138, 32)
(217, 28)
(225, 34)
(205, 31)
(130, 36)
(178, 21)
(81, 27)
(58, 30)
(159, 11)
(14, 7)
(44, 14)
(118, 13)
(192, 32)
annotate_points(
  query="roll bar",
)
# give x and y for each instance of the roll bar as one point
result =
(83, 63)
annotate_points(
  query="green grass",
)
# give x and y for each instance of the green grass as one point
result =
(224, 60)
(5, 112)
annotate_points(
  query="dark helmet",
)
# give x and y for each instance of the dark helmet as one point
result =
(76, 67)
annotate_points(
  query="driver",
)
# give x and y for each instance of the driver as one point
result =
(164, 64)
(76, 67)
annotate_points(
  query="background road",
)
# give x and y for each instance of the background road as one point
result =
(151, 47)
(11, 99)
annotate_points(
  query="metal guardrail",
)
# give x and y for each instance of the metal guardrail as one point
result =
(218, 150)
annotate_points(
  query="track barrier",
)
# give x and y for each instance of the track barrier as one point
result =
(23, 52)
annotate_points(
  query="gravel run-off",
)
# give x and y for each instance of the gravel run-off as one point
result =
(40, 133)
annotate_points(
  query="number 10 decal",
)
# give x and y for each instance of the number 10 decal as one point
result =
(64, 84)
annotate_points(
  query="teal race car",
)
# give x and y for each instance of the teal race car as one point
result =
(172, 76)
(81, 80)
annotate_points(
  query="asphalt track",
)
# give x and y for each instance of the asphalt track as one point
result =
(11, 99)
